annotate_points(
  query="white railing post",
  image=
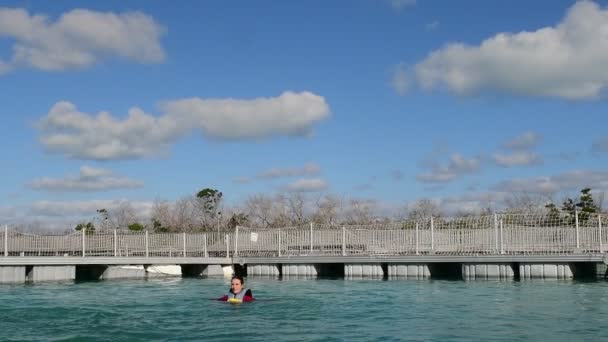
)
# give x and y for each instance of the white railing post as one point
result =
(184, 240)
(147, 247)
(115, 243)
(417, 241)
(205, 245)
(432, 235)
(6, 240)
(599, 224)
(578, 245)
(502, 246)
(236, 242)
(496, 232)
(343, 241)
(311, 242)
(279, 242)
(84, 231)
(227, 241)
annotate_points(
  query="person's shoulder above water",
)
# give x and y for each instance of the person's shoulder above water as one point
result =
(237, 293)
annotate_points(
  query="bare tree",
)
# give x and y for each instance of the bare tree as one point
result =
(327, 210)
(526, 203)
(423, 210)
(361, 211)
(259, 208)
(295, 206)
(184, 215)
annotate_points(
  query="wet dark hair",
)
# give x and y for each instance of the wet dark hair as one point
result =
(239, 278)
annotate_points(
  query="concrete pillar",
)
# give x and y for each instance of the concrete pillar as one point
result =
(415, 271)
(487, 271)
(124, 272)
(363, 271)
(545, 271)
(213, 271)
(263, 270)
(299, 271)
(52, 273)
(12, 274)
(163, 271)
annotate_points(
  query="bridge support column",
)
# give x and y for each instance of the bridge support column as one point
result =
(363, 271)
(156, 271)
(51, 273)
(299, 271)
(124, 272)
(12, 274)
(263, 270)
(416, 271)
(487, 271)
(545, 271)
(213, 271)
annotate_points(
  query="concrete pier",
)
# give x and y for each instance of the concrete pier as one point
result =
(545, 271)
(124, 272)
(363, 271)
(51, 273)
(12, 274)
(163, 271)
(415, 271)
(263, 270)
(213, 271)
(292, 270)
(487, 271)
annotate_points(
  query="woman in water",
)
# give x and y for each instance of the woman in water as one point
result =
(237, 293)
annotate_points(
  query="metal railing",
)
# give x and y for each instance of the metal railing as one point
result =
(480, 235)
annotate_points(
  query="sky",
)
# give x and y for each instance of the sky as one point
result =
(463, 102)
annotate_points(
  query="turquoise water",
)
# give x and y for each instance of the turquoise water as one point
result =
(306, 310)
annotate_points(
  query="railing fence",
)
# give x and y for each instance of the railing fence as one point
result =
(480, 235)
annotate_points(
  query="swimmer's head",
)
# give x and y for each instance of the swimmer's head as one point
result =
(236, 284)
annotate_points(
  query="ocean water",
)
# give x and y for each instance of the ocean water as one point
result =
(306, 310)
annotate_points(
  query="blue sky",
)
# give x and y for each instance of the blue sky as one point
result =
(462, 102)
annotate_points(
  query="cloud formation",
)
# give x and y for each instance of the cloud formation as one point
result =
(400, 4)
(457, 165)
(80, 135)
(600, 145)
(568, 60)
(523, 141)
(78, 39)
(568, 181)
(518, 158)
(309, 169)
(70, 209)
(400, 81)
(90, 179)
(307, 185)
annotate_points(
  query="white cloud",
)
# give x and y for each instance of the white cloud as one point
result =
(432, 25)
(524, 141)
(399, 4)
(89, 179)
(569, 60)
(519, 158)
(307, 185)
(309, 169)
(397, 175)
(242, 180)
(601, 145)
(71, 209)
(458, 165)
(80, 135)
(568, 181)
(400, 80)
(79, 38)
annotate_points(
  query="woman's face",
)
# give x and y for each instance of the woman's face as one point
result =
(236, 286)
